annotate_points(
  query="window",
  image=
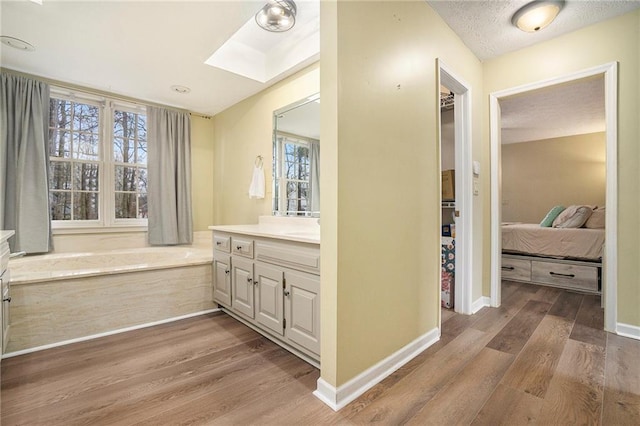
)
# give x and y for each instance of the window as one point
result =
(130, 164)
(98, 162)
(291, 186)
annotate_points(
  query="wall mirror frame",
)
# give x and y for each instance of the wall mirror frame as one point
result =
(296, 158)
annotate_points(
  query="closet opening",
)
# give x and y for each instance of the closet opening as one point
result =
(455, 227)
(448, 203)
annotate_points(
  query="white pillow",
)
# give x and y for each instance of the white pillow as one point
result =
(573, 217)
(596, 220)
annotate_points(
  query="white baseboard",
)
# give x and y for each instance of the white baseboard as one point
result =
(107, 333)
(337, 398)
(628, 330)
(480, 303)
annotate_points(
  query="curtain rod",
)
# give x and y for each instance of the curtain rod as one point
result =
(98, 92)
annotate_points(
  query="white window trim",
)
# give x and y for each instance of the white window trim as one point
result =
(107, 221)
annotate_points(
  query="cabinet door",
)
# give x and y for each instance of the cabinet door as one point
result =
(302, 309)
(269, 297)
(222, 280)
(242, 287)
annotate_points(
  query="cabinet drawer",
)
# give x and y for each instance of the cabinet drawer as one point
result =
(294, 257)
(516, 269)
(222, 243)
(242, 247)
(565, 275)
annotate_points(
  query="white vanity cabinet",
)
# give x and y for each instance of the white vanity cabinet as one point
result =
(4, 289)
(272, 285)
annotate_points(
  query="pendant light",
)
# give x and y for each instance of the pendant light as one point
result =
(277, 15)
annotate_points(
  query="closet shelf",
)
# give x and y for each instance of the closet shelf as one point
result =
(448, 204)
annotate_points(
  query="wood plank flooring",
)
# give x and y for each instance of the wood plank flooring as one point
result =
(541, 358)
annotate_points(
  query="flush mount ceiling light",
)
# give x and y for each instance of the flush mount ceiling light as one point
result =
(277, 16)
(536, 15)
(180, 89)
(16, 43)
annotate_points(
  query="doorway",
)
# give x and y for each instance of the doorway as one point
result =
(609, 267)
(461, 204)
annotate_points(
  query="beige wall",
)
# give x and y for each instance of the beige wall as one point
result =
(380, 229)
(538, 175)
(243, 132)
(202, 171)
(615, 40)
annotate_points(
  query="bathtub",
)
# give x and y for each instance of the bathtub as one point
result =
(48, 267)
(67, 297)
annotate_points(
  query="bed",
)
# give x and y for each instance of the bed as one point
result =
(569, 258)
(567, 243)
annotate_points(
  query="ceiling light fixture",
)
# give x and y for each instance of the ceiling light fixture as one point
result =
(180, 89)
(277, 16)
(536, 15)
(16, 43)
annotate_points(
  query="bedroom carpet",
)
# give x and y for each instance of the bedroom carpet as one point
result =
(541, 358)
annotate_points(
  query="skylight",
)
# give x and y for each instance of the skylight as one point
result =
(262, 55)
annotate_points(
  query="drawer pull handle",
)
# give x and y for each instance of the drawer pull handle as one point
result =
(555, 274)
(226, 272)
(508, 268)
(249, 280)
(7, 299)
(218, 243)
(238, 248)
(286, 293)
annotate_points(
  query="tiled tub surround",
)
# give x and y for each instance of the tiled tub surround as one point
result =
(62, 297)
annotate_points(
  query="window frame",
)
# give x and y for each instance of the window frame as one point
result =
(106, 221)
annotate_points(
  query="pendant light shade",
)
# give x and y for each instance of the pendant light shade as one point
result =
(536, 15)
(277, 15)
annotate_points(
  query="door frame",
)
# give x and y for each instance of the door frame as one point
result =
(463, 295)
(609, 71)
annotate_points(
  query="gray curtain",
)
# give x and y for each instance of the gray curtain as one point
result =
(314, 179)
(24, 161)
(169, 168)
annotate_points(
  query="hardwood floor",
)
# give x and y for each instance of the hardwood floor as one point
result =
(541, 358)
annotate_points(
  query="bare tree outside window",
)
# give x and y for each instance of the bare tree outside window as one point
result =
(130, 157)
(79, 148)
(74, 146)
(293, 179)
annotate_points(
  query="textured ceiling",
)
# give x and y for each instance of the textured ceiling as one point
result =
(485, 26)
(572, 108)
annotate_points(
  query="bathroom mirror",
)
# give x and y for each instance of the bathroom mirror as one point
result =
(296, 158)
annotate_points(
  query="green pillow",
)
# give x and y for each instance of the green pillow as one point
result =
(551, 216)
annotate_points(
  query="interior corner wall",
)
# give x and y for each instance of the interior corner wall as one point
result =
(615, 40)
(241, 133)
(202, 171)
(386, 255)
(538, 175)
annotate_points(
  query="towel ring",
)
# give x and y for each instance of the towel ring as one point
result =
(258, 162)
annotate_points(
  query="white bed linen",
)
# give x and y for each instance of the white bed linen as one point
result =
(531, 238)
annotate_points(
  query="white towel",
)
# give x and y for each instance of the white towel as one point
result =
(256, 188)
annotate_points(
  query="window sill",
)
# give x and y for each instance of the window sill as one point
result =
(98, 230)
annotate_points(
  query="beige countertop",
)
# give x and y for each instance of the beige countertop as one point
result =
(5, 235)
(300, 234)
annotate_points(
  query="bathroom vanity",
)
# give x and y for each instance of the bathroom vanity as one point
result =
(268, 276)
(4, 289)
